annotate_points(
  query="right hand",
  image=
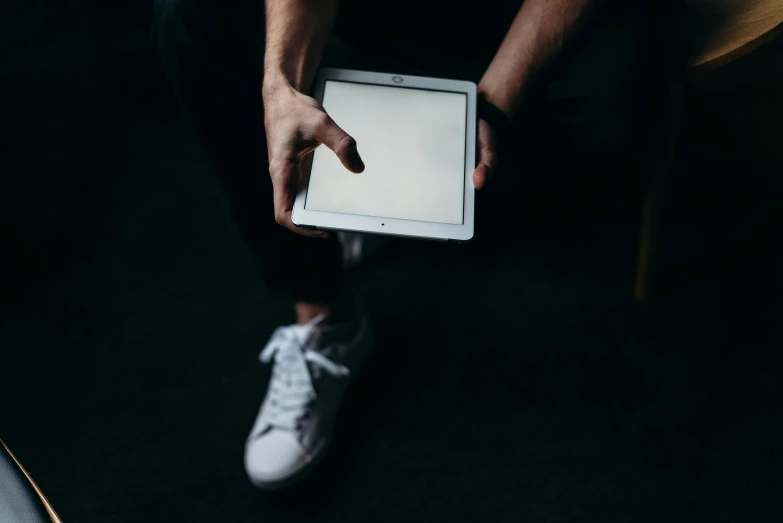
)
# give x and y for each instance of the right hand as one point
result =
(295, 126)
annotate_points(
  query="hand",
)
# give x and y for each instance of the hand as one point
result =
(488, 156)
(295, 126)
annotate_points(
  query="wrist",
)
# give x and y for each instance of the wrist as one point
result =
(275, 82)
(288, 72)
(497, 119)
(506, 93)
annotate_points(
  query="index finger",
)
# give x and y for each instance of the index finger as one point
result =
(285, 180)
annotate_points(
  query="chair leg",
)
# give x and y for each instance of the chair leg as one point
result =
(17, 492)
(654, 196)
(648, 239)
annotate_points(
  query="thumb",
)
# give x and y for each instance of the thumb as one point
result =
(344, 146)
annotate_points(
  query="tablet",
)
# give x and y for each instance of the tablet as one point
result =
(417, 137)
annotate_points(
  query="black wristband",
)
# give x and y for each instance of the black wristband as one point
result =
(497, 119)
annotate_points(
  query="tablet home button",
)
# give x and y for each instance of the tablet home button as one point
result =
(397, 79)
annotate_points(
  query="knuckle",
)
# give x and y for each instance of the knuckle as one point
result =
(322, 119)
(347, 144)
(277, 169)
(276, 176)
(490, 159)
(275, 165)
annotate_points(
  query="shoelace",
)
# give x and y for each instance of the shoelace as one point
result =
(291, 388)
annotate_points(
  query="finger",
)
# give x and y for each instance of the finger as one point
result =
(486, 167)
(488, 157)
(487, 154)
(286, 221)
(344, 146)
(285, 177)
(481, 176)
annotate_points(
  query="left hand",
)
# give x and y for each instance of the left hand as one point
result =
(487, 155)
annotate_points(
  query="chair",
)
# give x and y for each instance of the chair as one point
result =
(21, 501)
(720, 31)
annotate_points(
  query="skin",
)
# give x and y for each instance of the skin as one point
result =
(296, 33)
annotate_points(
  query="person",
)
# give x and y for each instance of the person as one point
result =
(242, 73)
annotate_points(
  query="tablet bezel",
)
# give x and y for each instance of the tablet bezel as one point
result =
(310, 219)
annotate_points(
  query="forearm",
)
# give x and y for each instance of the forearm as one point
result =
(538, 34)
(296, 33)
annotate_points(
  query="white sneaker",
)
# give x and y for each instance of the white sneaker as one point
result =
(313, 365)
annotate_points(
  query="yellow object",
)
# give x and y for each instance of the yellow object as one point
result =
(722, 30)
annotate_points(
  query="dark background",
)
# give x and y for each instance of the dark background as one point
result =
(515, 378)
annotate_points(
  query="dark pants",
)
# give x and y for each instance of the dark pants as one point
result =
(213, 58)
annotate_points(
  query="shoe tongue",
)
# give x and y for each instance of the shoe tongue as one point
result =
(308, 333)
(319, 335)
(318, 320)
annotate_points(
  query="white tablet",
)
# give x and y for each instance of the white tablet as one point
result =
(417, 137)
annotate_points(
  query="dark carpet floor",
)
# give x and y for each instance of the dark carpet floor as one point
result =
(514, 379)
